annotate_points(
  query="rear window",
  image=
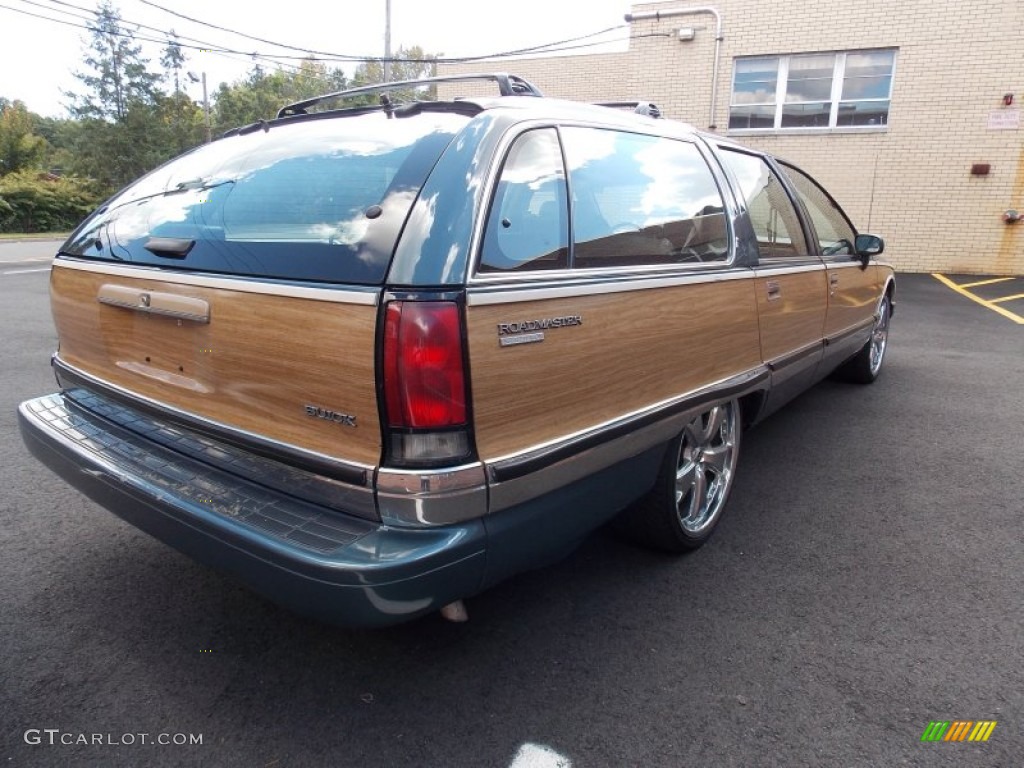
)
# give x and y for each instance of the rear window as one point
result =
(320, 200)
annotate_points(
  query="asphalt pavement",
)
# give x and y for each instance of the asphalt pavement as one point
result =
(865, 581)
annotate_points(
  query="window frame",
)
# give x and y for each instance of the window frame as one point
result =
(810, 236)
(808, 217)
(835, 94)
(724, 184)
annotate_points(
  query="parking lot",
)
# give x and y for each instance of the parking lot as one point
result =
(865, 581)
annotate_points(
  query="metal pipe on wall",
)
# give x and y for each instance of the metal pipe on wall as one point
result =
(658, 15)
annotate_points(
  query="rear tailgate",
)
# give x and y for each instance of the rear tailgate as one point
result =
(291, 364)
(239, 284)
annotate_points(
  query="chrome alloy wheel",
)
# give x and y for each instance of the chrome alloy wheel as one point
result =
(705, 466)
(879, 336)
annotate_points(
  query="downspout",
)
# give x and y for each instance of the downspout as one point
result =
(658, 15)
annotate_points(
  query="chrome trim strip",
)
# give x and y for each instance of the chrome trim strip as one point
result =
(155, 303)
(480, 294)
(771, 269)
(349, 472)
(431, 497)
(541, 455)
(368, 297)
(843, 262)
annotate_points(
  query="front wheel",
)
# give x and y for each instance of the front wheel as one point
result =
(864, 367)
(683, 508)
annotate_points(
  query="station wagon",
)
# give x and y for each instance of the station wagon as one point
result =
(375, 358)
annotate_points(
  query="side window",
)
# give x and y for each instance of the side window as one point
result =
(772, 213)
(641, 200)
(834, 231)
(527, 227)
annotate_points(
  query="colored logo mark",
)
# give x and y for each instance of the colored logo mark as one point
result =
(958, 730)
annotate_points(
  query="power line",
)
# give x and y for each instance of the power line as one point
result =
(91, 27)
(351, 57)
(277, 59)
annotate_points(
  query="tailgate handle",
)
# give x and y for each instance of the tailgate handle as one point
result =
(155, 303)
(169, 247)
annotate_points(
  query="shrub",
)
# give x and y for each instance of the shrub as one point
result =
(31, 201)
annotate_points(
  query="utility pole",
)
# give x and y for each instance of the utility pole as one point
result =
(206, 103)
(387, 41)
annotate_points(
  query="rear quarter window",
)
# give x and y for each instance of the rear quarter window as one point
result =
(642, 200)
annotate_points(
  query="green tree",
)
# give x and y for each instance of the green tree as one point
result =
(172, 59)
(261, 94)
(20, 147)
(118, 74)
(410, 64)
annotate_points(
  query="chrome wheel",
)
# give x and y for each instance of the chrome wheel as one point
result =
(879, 337)
(705, 466)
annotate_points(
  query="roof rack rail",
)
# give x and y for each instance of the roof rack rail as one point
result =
(508, 85)
(645, 108)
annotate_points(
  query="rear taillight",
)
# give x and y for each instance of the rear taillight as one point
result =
(425, 382)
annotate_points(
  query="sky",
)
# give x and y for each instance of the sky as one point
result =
(37, 57)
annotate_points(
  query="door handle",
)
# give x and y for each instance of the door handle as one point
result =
(774, 290)
(833, 281)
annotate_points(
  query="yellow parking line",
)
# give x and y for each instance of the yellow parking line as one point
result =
(987, 304)
(1008, 298)
(987, 282)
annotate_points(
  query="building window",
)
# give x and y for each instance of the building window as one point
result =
(819, 90)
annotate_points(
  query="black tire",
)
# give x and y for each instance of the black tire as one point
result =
(701, 460)
(864, 367)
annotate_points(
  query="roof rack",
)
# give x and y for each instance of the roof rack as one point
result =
(640, 107)
(508, 85)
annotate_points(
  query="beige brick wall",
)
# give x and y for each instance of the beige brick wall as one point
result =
(910, 184)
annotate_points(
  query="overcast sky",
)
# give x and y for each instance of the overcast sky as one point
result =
(37, 56)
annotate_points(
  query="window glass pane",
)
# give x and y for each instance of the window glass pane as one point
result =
(642, 200)
(810, 78)
(752, 117)
(754, 81)
(868, 75)
(835, 235)
(863, 113)
(527, 227)
(806, 115)
(287, 203)
(771, 211)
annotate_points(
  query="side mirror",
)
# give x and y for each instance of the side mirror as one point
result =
(868, 246)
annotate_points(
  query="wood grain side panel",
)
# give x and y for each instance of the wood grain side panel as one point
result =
(792, 311)
(632, 350)
(853, 296)
(255, 365)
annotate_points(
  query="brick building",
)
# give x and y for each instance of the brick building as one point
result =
(897, 108)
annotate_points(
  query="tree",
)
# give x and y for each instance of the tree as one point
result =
(20, 147)
(173, 60)
(409, 64)
(118, 74)
(261, 94)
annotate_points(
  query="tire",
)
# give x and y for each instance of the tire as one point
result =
(681, 511)
(864, 367)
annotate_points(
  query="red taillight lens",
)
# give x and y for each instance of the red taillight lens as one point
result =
(424, 383)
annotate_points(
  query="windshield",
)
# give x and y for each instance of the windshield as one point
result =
(319, 200)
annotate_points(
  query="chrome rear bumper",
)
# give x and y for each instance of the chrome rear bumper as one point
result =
(310, 558)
